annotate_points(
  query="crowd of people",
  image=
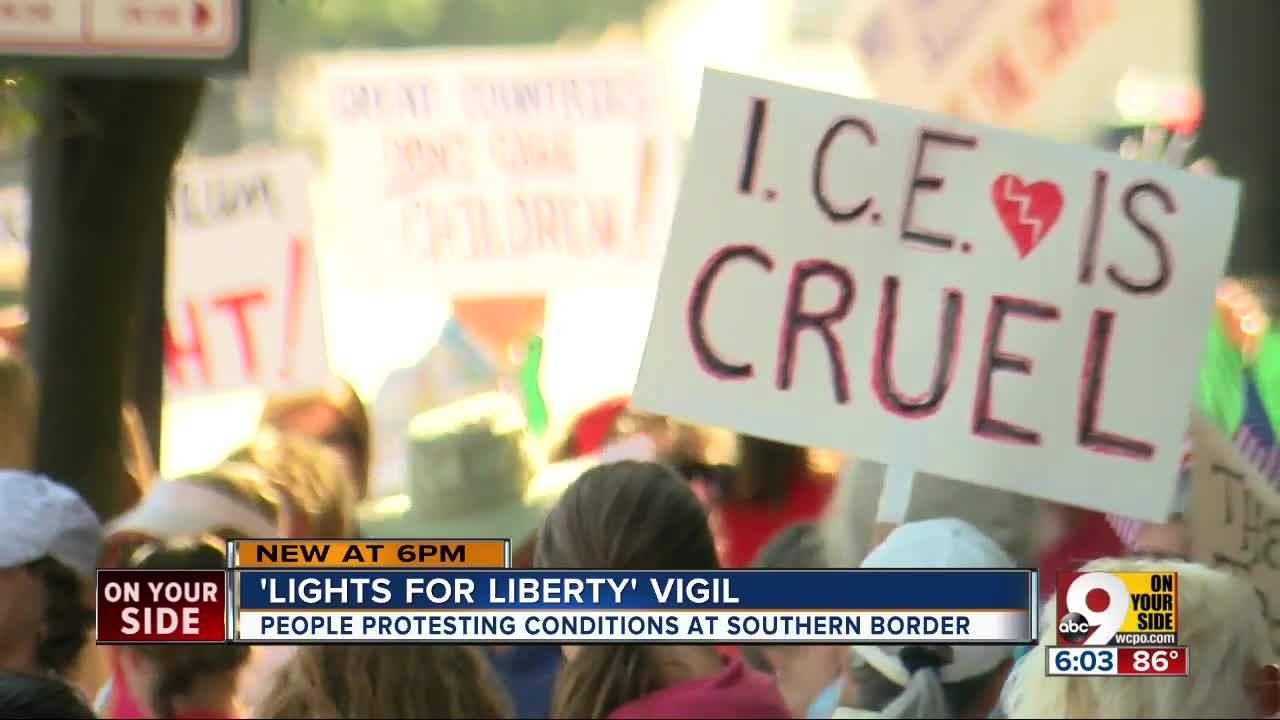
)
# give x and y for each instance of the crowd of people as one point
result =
(617, 489)
(612, 488)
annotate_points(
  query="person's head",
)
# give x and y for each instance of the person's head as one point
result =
(231, 501)
(335, 417)
(165, 680)
(50, 543)
(795, 546)
(310, 477)
(621, 516)
(765, 469)
(802, 671)
(928, 682)
(1219, 620)
(34, 696)
(385, 681)
(472, 472)
(17, 410)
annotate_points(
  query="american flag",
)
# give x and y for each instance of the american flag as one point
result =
(1264, 454)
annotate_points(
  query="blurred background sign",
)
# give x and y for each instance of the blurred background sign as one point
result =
(1044, 65)
(125, 36)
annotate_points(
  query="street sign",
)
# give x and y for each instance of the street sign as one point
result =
(125, 36)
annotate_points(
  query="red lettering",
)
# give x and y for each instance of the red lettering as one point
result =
(995, 359)
(695, 315)
(833, 213)
(416, 160)
(1091, 388)
(238, 304)
(944, 364)
(797, 319)
(533, 151)
(928, 239)
(177, 354)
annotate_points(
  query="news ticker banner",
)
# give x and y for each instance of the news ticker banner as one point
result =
(1117, 624)
(463, 592)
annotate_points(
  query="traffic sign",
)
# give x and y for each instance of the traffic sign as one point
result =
(125, 36)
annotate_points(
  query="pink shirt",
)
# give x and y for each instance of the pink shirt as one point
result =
(734, 692)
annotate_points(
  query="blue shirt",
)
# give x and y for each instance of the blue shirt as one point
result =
(528, 672)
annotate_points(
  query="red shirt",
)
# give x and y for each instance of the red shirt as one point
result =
(1091, 538)
(734, 692)
(747, 527)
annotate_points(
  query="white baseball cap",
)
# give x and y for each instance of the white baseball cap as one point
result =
(939, 543)
(40, 517)
(185, 506)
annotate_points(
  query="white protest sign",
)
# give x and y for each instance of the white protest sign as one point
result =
(244, 297)
(1234, 517)
(846, 274)
(1014, 62)
(497, 173)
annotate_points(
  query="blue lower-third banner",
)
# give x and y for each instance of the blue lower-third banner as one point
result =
(731, 606)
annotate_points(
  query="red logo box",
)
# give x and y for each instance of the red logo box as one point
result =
(162, 606)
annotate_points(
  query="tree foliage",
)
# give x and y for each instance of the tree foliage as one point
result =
(286, 27)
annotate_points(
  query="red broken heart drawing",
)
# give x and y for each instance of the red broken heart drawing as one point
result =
(1028, 212)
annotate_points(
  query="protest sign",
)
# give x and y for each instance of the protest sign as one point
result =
(244, 306)
(1235, 517)
(1017, 313)
(1017, 63)
(243, 299)
(497, 173)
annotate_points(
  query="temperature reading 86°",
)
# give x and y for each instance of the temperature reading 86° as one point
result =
(1154, 660)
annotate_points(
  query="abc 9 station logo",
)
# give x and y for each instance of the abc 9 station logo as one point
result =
(1097, 605)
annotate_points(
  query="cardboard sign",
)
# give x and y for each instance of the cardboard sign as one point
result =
(497, 174)
(244, 307)
(1235, 517)
(1021, 314)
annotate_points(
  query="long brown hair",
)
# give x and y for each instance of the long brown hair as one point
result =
(622, 516)
(354, 434)
(385, 681)
(310, 475)
(17, 410)
(179, 667)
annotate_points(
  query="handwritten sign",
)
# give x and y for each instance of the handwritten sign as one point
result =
(244, 297)
(983, 60)
(851, 275)
(506, 173)
(1235, 517)
(243, 300)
